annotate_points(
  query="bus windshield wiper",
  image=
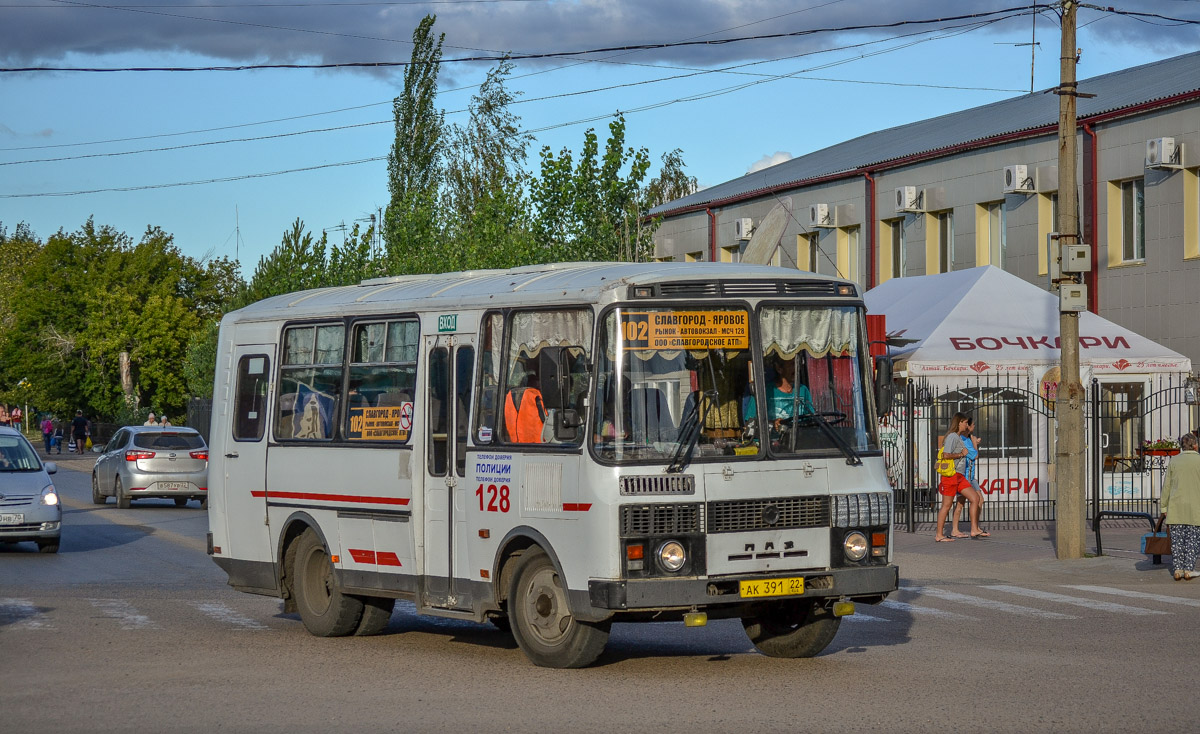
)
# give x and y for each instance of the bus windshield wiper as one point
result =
(852, 457)
(689, 432)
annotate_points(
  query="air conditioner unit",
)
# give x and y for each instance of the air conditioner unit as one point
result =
(820, 215)
(1017, 179)
(1163, 153)
(909, 199)
(742, 228)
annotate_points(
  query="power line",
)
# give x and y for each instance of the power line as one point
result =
(1007, 13)
(654, 105)
(236, 6)
(694, 72)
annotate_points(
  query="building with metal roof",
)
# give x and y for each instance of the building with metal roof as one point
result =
(980, 187)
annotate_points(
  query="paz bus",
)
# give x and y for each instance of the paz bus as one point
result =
(555, 448)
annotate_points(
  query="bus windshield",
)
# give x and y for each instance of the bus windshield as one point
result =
(675, 381)
(814, 370)
(663, 373)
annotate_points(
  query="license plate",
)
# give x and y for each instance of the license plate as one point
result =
(168, 486)
(12, 519)
(771, 587)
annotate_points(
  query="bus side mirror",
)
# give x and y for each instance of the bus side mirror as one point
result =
(566, 425)
(883, 384)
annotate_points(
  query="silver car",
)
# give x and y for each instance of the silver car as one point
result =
(29, 506)
(152, 461)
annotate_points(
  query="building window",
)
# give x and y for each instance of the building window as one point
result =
(939, 242)
(896, 230)
(731, 254)
(1191, 214)
(808, 252)
(694, 257)
(1133, 220)
(990, 239)
(847, 253)
(1047, 223)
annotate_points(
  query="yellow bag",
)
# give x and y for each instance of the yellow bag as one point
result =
(945, 467)
(89, 443)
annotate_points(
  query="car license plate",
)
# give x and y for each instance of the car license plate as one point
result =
(771, 587)
(12, 519)
(169, 486)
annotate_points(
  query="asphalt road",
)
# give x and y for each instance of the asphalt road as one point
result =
(132, 627)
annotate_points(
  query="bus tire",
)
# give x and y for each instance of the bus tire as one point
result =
(541, 619)
(324, 610)
(792, 630)
(377, 612)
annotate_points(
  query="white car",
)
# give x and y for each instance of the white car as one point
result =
(29, 506)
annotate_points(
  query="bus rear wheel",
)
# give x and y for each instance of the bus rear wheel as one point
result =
(542, 623)
(324, 610)
(377, 612)
(792, 630)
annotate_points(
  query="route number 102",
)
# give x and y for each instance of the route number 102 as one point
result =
(493, 498)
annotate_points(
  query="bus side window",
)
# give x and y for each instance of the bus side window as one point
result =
(490, 359)
(249, 413)
(547, 364)
(310, 381)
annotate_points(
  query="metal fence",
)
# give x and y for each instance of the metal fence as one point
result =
(1015, 425)
(199, 415)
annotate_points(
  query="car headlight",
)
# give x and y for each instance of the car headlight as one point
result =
(49, 496)
(855, 546)
(672, 555)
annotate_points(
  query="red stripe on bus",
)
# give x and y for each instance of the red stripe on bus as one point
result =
(576, 506)
(387, 559)
(334, 497)
(362, 556)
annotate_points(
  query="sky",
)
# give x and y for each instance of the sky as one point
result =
(258, 148)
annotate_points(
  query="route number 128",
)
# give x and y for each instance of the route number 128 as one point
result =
(496, 498)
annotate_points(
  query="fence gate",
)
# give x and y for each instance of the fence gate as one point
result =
(1124, 414)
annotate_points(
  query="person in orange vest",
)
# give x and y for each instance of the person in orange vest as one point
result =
(524, 412)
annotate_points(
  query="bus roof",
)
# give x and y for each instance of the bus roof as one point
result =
(588, 282)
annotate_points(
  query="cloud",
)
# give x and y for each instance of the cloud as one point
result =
(330, 32)
(767, 161)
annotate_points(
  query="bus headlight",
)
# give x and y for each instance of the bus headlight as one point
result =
(672, 556)
(855, 546)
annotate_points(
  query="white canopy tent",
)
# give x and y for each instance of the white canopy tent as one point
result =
(985, 321)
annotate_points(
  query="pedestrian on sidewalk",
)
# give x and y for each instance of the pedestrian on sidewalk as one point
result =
(56, 441)
(47, 432)
(954, 448)
(971, 472)
(79, 430)
(1180, 505)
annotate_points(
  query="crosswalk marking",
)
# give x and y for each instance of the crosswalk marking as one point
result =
(1138, 595)
(22, 614)
(222, 613)
(1101, 606)
(901, 606)
(999, 606)
(125, 613)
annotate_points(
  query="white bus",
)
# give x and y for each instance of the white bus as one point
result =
(555, 448)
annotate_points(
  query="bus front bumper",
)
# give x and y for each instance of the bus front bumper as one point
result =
(866, 582)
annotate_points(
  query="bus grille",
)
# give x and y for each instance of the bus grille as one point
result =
(659, 484)
(674, 519)
(781, 513)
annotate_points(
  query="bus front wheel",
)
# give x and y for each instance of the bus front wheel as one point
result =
(324, 610)
(792, 630)
(542, 623)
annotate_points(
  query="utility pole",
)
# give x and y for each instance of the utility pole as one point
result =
(1070, 470)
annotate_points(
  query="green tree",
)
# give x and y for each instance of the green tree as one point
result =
(590, 211)
(415, 163)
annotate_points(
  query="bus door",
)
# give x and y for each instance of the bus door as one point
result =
(448, 401)
(244, 449)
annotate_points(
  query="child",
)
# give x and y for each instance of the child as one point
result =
(56, 440)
